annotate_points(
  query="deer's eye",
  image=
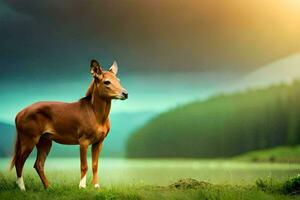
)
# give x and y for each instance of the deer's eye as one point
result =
(106, 82)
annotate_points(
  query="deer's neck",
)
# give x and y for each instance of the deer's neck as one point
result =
(100, 106)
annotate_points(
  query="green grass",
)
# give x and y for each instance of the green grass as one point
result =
(67, 188)
(279, 154)
(155, 179)
(145, 171)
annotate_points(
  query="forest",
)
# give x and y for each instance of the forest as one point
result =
(224, 125)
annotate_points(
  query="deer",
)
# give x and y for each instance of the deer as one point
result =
(84, 123)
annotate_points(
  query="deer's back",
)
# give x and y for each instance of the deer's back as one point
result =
(61, 121)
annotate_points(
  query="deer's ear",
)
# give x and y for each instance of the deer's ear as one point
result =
(95, 68)
(114, 68)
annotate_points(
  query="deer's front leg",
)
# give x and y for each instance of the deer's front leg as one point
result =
(83, 163)
(96, 149)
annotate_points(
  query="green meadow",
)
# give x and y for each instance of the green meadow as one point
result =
(281, 154)
(154, 179)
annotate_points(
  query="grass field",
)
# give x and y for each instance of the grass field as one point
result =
(151, 179)
(279, 154)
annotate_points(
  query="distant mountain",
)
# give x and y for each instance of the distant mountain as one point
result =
(282, 71)
(7, 134)
(122, 125)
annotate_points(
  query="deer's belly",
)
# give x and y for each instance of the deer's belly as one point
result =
(61, 139)
(70, 135)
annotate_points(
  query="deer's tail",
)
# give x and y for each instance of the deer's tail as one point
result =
(16, 152)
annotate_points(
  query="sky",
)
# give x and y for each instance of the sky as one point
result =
(169, 52)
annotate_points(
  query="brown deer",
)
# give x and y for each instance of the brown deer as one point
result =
(85, 122)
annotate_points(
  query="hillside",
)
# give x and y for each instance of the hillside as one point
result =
(284, 154)
(224, 125)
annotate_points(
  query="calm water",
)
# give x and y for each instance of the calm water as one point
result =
(163, 172)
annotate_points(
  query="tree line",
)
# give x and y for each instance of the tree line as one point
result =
(224, 125)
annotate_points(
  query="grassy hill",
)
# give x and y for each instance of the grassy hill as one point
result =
(224, 125)
(284, 154)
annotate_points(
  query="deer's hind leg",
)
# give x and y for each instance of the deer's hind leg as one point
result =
(43, 147)
(26, 145)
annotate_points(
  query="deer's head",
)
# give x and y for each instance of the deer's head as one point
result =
(106, 83)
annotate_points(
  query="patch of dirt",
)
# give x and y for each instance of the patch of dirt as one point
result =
(189, 183)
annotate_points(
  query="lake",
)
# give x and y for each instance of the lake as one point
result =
(162, 171)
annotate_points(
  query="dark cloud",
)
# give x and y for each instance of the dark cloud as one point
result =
(56, 37)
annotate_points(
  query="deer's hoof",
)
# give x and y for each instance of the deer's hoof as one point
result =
(82, 183)
(20, 183)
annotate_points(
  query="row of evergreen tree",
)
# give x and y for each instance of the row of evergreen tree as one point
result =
(224, 125)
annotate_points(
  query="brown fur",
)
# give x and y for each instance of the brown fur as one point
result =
(85, 122)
